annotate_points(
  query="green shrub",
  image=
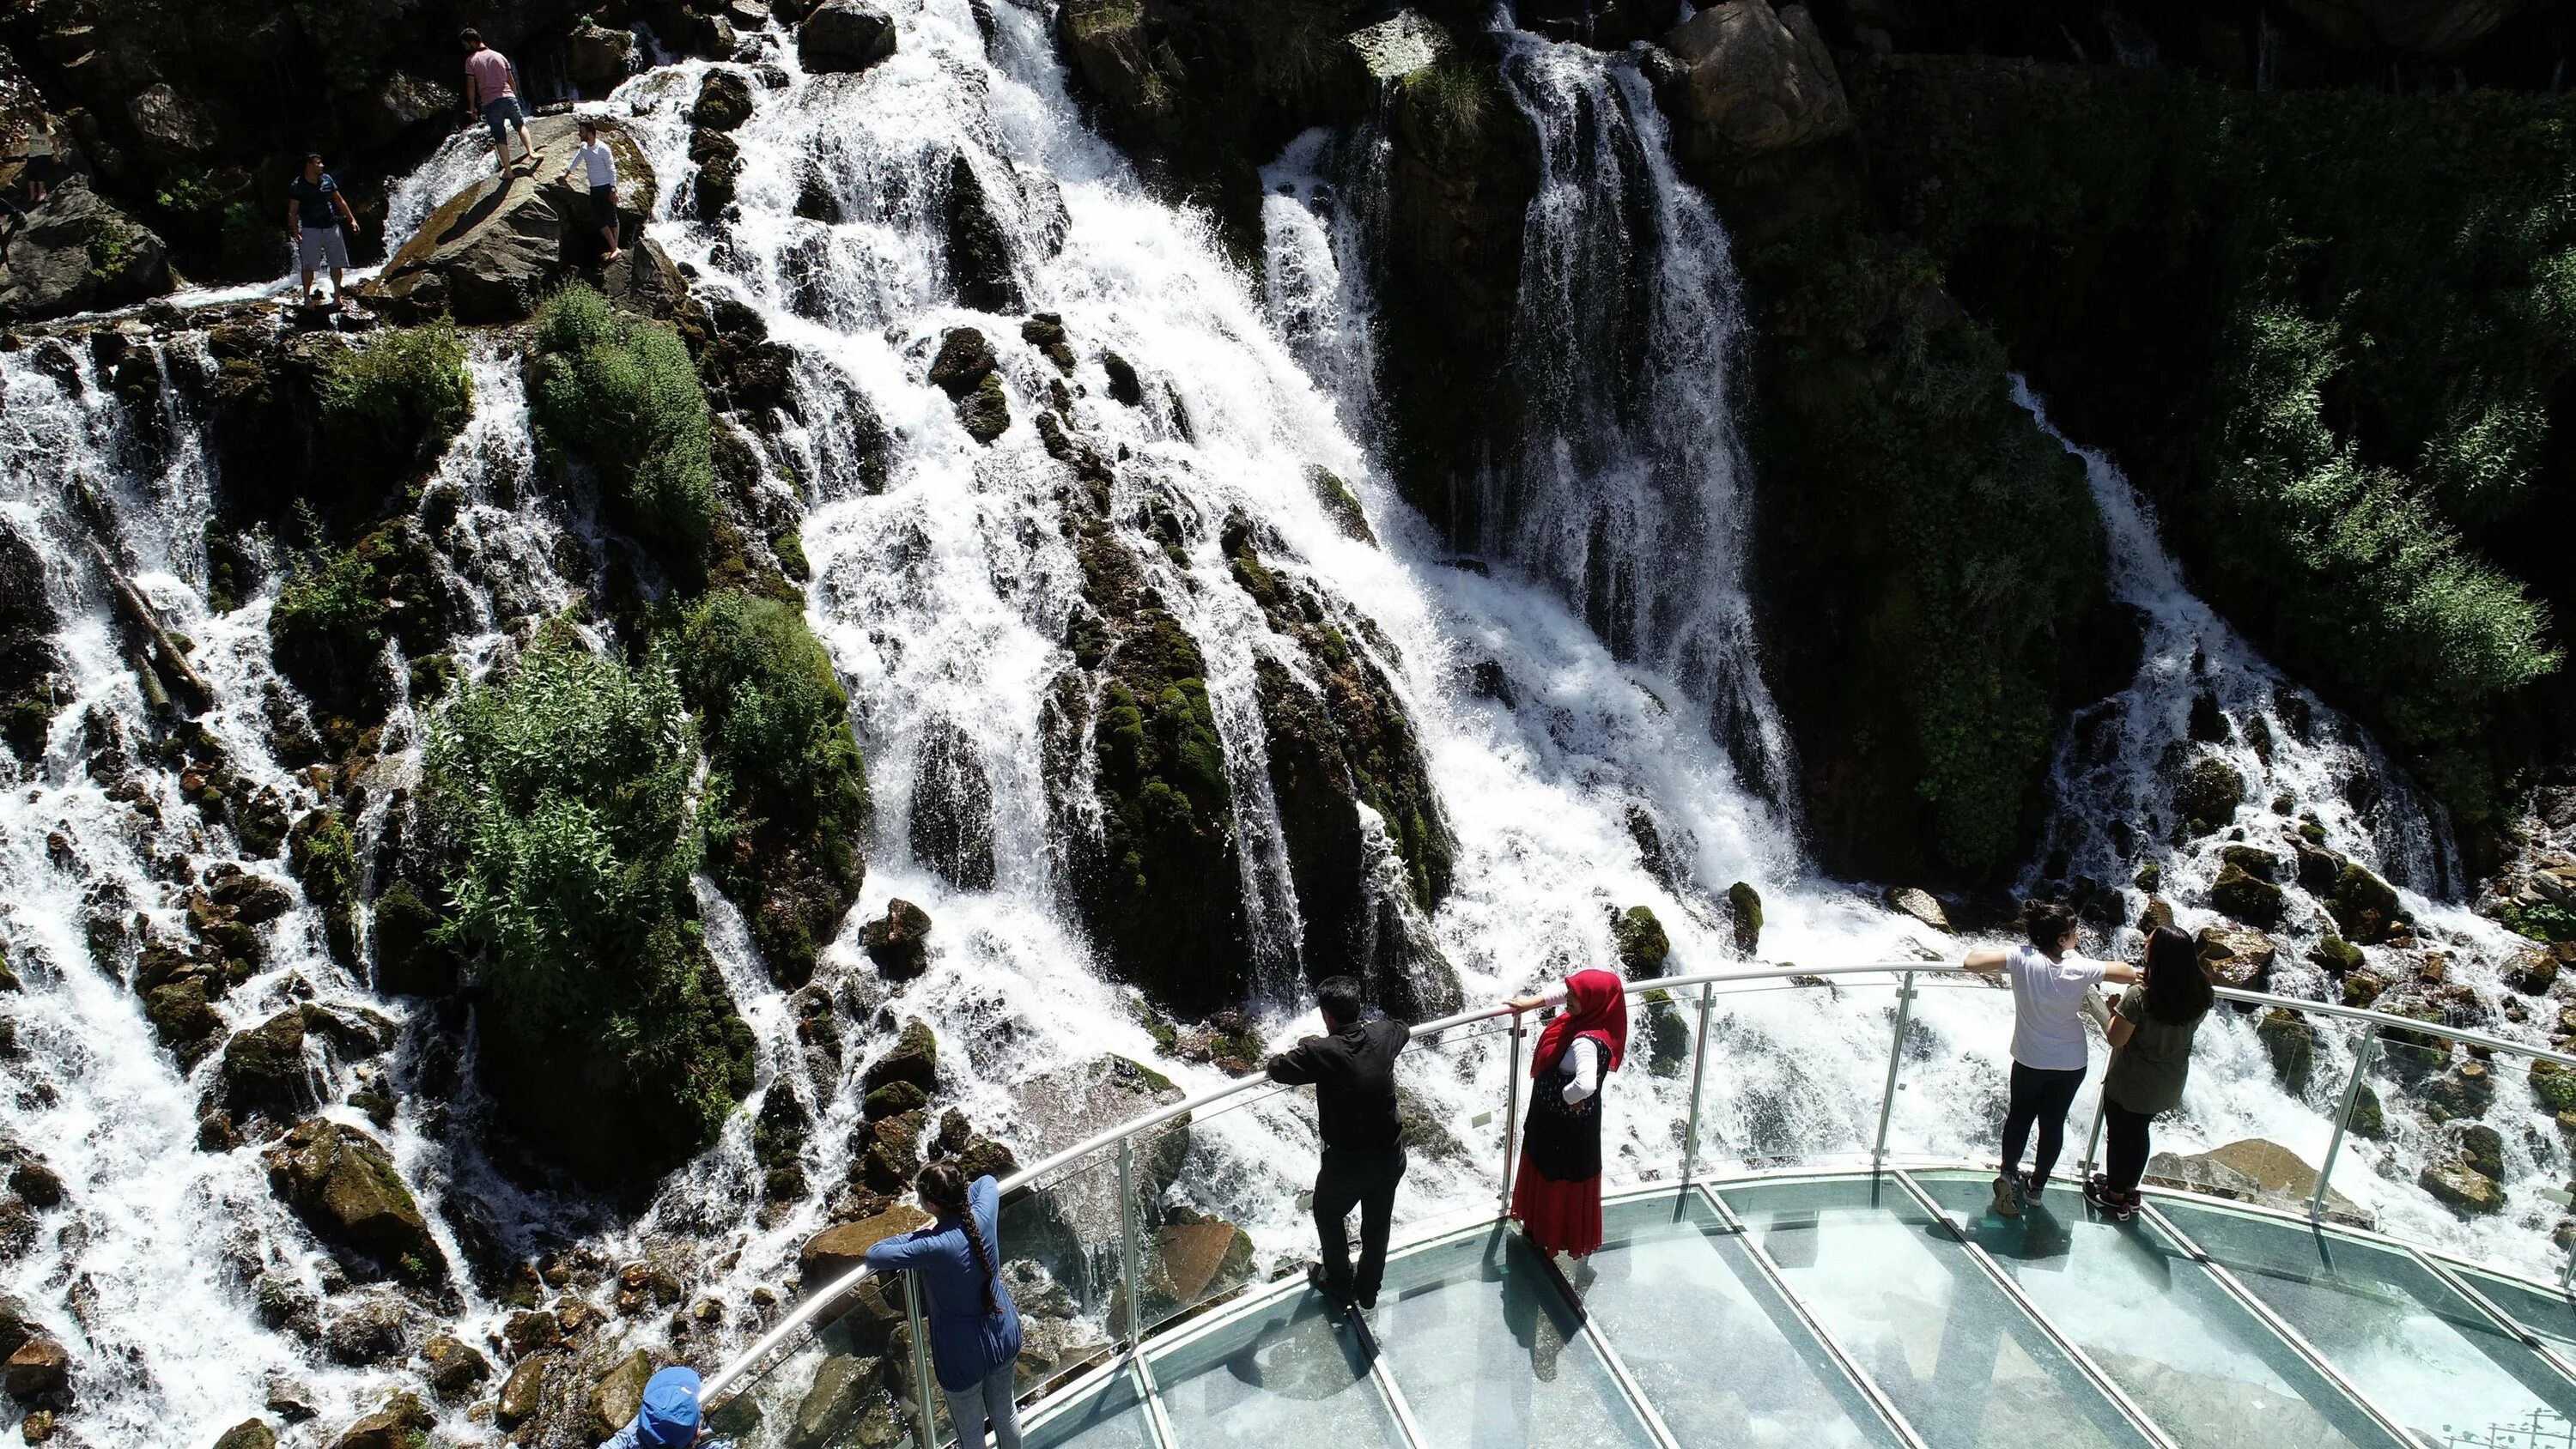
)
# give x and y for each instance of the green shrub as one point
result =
(391, 407)
(113, 249)
(566, 786)
(1451, 98)
(622, 393)
(331, 598)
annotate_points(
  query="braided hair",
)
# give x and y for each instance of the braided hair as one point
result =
(943, 1187)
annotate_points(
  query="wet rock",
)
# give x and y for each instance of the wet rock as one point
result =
(2207, 795)
(28, 661)
(913, 1058)
(38, 1369)
(983, 1157)
(898, 941)
(403, 1422)
(2461, 1188)
(724, 102)
(1191, 1262)
(1751, 82)
(1744, 915)
(343, 1185)
(2463, 1093)
(409, 961)
(2236, 957)
(979, 250)
(2362, 987)
(1920, 905)
(17, 1325)
(985, 413)
(832, 1253)
(76, 252)
(618, 1394)
(2247, 897)
(2364, 907)
(893, 1100)
(844, 36)
(2482, 1149)
(833, 1400)
(718, 158)
(2318, 867)
(2292, 1045)
(886, 1153)
(264, 1070)
(2553, 1086)
(373, 1329)
(456, 1368)
(494, 251)
(184, 1017)
(1640, 941)
(2253, 1169)
(2533, 972)
(248, 1434)
(524, 1391)
(597, 57)
(1124, 386)
(952, 808)
(2335, 956)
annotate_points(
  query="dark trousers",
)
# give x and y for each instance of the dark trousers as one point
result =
(2038, 1097)
(2125, 1135)
(1367, 1179)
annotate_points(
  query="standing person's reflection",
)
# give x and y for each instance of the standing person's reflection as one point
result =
(1557, 1194)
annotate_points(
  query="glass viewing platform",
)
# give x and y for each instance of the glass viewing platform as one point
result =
(1850, 1294)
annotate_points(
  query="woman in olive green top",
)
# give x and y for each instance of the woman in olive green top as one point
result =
(2150, 1037)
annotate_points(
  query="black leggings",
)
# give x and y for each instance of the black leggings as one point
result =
(2126, 1134)
(2041, 1097)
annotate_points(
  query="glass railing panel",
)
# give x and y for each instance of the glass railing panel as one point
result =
(1280, 1373)
(2547, 1312)
(1710, 1341)
(1108, 1415)
(1061, 1245)
(2205, 1368)
(1955, 1354)
(1810, 1103)
(2407, 1340)
(848, 1384)
(1489, 1353)
(1204, 1188)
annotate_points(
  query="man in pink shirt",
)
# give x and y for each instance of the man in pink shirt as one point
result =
(492, 91)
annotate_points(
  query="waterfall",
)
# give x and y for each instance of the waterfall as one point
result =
(1628, 490)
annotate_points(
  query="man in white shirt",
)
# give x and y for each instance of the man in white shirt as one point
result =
(599, 164)
(2053, 991)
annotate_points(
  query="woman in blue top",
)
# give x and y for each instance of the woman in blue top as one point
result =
(974, 1329)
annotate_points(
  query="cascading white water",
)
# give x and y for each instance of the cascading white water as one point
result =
(1627, 491)
(2201, 688)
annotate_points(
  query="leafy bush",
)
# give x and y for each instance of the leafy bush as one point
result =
(621, 392)
(787, 792)
(393, 406)
(114, 249)
(331, 599)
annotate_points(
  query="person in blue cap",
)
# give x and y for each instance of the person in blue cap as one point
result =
(669, 1418)
(974, 1328)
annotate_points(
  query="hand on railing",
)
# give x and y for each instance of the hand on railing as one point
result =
(1519, 1004)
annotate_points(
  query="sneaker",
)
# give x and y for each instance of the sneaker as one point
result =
(2119, 1207)
(2007, 1197)
(1335, 1305)
(2031, 1188)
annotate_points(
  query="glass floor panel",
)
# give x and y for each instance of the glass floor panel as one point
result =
(2547, 1313)
(1709, 1341)
(2413, 1345)
(1961, 1360)
(1489, 1356)
(1110, 1417)
(1282, 1374)
(2199, 1363)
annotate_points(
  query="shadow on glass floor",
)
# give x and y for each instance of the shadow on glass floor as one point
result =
(1281, 1374)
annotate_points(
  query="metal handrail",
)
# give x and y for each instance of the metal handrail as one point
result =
(1909, 972)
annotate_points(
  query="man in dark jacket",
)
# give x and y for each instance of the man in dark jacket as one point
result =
(1352, 1068)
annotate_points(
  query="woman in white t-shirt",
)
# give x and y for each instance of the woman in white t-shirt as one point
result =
(2053, 991)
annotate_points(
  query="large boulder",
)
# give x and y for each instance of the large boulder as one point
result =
(402, 1423)
(2236, 957)
(898, 941)
(342, 1183)
(1753, 81)
(952, 807)
(497, 249)
(264, 1068)
(845, 35)
(76, 253)
(40, 1368)
(28, 661)
(832, 1253)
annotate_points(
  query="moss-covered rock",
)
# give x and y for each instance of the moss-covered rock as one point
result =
(952, 807)
(343, 1185)
(1641, 943)
(786, 803)
(28, 662)
(2364, 906)
(898, 941)
(411, 959)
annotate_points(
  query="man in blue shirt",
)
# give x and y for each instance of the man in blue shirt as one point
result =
(319, 223)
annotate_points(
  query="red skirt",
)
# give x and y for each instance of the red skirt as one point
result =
(1561, 1217)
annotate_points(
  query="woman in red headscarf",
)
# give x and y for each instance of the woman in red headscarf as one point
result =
(1557, 1194)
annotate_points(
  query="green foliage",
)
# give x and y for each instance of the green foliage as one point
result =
(621, 392)
(2546, 921)
(1451, 99)
(1980, 544)
(567, 786)
(331, 598)
(2382, 289)
(395, 404)
(188, 191)
(114, 249)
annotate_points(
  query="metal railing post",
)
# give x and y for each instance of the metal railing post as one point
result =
(2093, 1137)
(1699, 1072)
(1512, 1114)
(2343, 1120)
(924, 1419)
(1895, 1063)
(1128, 1253)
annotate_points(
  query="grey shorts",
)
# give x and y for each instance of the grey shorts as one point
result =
(322, 246)
(501, 113)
